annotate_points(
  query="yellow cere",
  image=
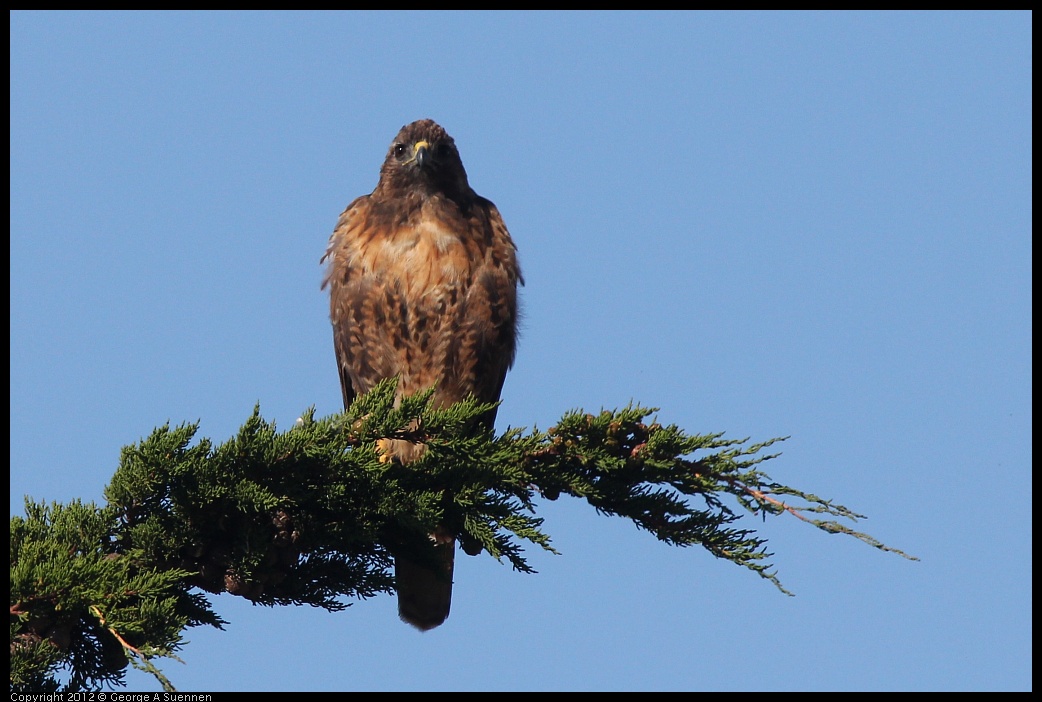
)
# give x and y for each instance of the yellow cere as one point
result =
(416, 147)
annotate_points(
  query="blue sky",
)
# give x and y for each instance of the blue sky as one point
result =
(815, 225)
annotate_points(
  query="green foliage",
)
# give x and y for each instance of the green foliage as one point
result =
(314, 515)
(79, 603)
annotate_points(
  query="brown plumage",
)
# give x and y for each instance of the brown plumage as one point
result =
(423, 279)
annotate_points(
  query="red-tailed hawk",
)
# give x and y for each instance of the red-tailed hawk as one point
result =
(423, 279)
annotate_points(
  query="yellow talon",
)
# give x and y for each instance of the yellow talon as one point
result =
(385, 447)
(402, 450)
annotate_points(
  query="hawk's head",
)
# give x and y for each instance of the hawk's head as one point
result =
(423, 157)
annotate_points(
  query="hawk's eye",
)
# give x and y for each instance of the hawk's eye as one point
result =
(443, 150)
(400, 150)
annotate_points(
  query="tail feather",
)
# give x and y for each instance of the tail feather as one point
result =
(425, 593)
(424, 589)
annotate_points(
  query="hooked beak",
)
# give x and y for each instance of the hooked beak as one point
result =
(421, 153)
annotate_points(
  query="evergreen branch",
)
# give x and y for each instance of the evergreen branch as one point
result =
(315, 515)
